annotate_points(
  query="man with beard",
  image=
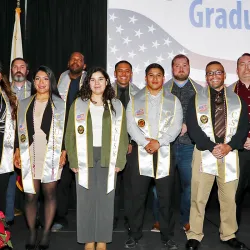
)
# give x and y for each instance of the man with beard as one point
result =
(184, 88)
(241, 88)
(69, 84)
(217, 121)
(124, 89)
(21, 87)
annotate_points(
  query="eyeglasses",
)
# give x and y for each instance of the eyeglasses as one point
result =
(217, 73)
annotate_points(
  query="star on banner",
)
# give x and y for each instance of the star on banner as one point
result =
(112, 17)
(137, 69)
(146, 63)
(126, 40)
(155, 44)
(142, 48)
(171, 55)
(138, 33)
(109, 38)
(119, 29)
(113, 49)
(167, 42)
(183, 52)
(131, 54)
(159, 59)
(151, 29)
(132, 19)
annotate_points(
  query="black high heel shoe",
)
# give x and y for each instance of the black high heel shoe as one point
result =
(44, 243)
(31, 245)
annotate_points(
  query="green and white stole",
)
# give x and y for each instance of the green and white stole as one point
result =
(64, 82)
(54, 146)
(132, 89)
(167, 113)
(81, 116)
(209, 163)
(6, 165)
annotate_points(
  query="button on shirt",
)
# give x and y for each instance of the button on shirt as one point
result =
(154, 112)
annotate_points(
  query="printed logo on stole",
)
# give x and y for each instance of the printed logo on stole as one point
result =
(80, 117)
(139, 112)
(22, 138)
(204, 119)
(21, 128)
(80, 129)
(141, 123)
(202, 108)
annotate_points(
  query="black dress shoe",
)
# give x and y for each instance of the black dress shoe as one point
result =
(31, 243)
(130, 243)
(30, 247)
(170, 244)
(44, 243)
(192, 244)
(234, 243)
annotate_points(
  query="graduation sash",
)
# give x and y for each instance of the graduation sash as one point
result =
(54, 146)
(167, 113)
(64, 82)
(6, 165)
(209, 163)
(81, 128)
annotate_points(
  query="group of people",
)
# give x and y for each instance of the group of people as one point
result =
(105, 135)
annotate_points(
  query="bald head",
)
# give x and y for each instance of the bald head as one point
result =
(76, 63)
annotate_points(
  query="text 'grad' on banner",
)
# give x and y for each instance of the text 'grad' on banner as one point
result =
(144, 32)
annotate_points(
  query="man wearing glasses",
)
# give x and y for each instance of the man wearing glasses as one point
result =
(217, 121)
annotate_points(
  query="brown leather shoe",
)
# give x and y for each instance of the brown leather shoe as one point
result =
(89, 246)
(101, 246)
(186, 227)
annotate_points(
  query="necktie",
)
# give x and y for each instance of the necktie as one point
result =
(123, 97)
(219, 124)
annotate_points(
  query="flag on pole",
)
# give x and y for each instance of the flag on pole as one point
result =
(16, 47)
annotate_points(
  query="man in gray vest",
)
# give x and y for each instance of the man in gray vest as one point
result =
(69, 84)
(124, 89)
(22, 88)
(184, 88)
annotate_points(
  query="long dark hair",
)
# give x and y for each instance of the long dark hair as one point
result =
(85, 92)
(53, 90)
(5, 85)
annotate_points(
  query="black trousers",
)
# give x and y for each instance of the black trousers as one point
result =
(63, 194)
(4, 180)
(244, 181)
(123, 181)
(139, 191)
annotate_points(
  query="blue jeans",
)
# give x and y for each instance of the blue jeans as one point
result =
(155, 205)
(183, 159)
(10, 197)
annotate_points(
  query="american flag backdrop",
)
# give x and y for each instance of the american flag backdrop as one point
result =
(137, 39)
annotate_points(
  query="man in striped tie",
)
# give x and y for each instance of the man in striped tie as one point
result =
(217, 121)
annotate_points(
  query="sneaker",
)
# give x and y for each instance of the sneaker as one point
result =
(57, 227)
(171, 245)
(130, 243)
(156, 228)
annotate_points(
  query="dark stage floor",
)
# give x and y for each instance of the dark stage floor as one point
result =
(66, 240)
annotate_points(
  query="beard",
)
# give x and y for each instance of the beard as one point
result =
(181, 77)
(18, 78)
(75, 71)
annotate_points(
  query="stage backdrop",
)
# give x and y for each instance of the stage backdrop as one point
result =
(146, 31)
